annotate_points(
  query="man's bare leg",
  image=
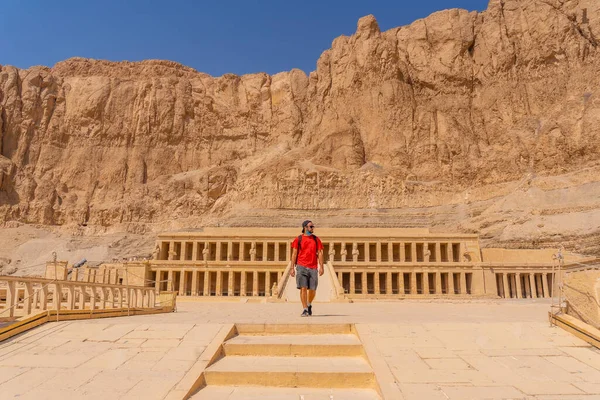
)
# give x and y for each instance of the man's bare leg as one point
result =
(311, 296)
(303, 296)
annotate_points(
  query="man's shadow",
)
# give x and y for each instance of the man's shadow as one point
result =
(329, 315)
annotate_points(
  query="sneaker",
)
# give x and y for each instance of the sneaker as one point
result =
(305, 313)
(310, 310)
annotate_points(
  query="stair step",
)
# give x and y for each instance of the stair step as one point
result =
(325, 345)
(293, 329)
(272, 393)
(316, 372)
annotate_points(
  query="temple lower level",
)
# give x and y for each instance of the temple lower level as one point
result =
(361, 263)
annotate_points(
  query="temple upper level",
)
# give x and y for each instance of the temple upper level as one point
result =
(341, 245)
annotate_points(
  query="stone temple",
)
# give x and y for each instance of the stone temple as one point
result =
(378, 263)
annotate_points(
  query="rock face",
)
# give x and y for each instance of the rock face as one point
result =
(487, 122)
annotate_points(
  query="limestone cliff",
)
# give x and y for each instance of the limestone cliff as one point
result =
(486, 122)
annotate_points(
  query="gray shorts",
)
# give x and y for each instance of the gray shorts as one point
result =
(307, 277)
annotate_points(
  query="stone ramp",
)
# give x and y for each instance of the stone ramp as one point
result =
(316, 361)
(325, 290)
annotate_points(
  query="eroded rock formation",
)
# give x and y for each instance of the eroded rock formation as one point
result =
(453, 114)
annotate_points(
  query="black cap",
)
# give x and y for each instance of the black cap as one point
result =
(308, 221)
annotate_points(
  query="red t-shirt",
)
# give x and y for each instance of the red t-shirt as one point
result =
(308, 253)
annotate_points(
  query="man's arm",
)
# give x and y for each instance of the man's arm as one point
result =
(321, 270)
(292, 261)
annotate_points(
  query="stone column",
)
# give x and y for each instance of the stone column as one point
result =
(219, 285)
(181, 255)
(82, 297)
(505, 284)
(376, 282)
(413, 282)
(195, 251)
(170, 283)
(92, 298)
(119, 297)
(343, 252)
(171, 251)
(111, 297)
(519, 287)
(255, 283)
(352, 282)
(463, 282)
(264, 251)
(267, 283)
(229, 250)
(365, 282)
(140, 298)
(86, 274)
(28, 298)
(402, 253)
(451, 283)
(367, 255)
(388, 283)
(243, 284)
(131, 298)
(413, 251)
(438, 282)
(57, 296)
(218, 252)
(276, 256)
(438, 252)
(230, 288)
(527, 287)
(11, 298)
(451, 256)
(152, 300)
(545, 284)
(390, 252)
(378, 250)
(36, 299)
(157, 280)
(206, 289)
(195, 282)
(70, 297)
(75, 274)
(426, 283)
(401, 283)
(532, 285)
(182, 282)
(102, 298)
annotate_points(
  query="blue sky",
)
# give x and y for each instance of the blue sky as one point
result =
(214, 37)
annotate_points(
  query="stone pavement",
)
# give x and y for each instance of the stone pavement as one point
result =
(419, 350)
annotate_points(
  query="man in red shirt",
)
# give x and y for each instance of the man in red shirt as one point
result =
(307, 261)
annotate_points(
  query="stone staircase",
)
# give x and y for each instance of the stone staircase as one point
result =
(280, 362)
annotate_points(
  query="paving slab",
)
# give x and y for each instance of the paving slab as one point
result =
(431, 350)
